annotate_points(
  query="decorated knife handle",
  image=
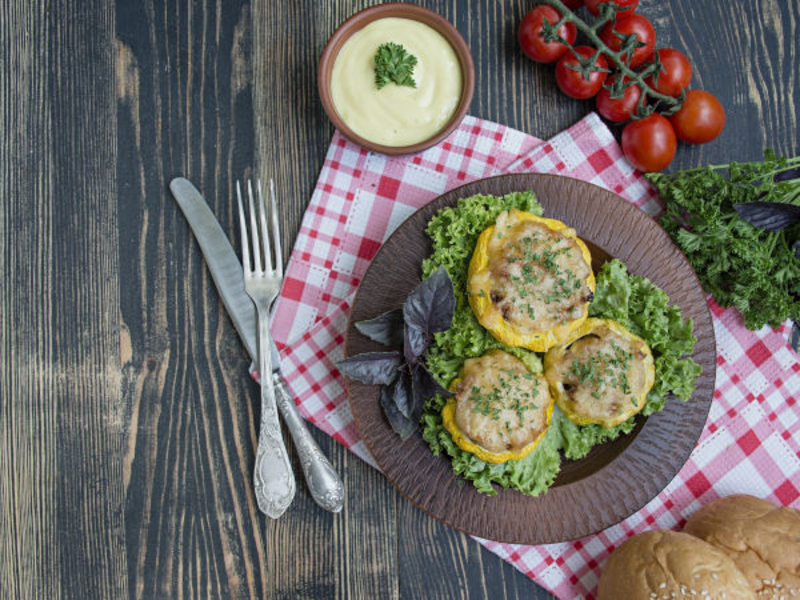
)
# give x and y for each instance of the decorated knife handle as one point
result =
(324, 483)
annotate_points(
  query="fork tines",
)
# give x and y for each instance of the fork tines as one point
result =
(261, 241)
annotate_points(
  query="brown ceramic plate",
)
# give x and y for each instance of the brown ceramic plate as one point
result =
(617, 478)
(404, 11)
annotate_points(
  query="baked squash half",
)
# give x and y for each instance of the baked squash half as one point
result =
(530, 280)
(601, 374)
(500, 411)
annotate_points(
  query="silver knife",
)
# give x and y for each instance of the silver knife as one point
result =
(324, 483)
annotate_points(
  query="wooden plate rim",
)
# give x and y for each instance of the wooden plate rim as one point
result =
(594, 522)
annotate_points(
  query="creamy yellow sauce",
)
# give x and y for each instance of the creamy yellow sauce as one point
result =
(396, 115)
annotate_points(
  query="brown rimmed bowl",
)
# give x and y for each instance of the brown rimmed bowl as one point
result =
(615, 479)
(404, 11)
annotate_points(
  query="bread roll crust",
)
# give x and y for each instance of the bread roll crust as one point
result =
(762, 539)
(669, 564)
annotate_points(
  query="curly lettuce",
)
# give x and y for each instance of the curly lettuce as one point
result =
(633, 301)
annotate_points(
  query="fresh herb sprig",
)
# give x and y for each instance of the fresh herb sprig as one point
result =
(404, 379)
(394, 64)
(739, 226)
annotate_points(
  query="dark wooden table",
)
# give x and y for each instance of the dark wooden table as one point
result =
(127, 424)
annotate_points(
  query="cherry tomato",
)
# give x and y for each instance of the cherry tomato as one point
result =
(530, 34)
(574, 4)
(675, 74)
(649, 144)
(572, 82)
(626, 7)
(621, 109)
(700, 119)
(634, 24)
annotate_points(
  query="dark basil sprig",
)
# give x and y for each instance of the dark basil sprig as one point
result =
(405, 381)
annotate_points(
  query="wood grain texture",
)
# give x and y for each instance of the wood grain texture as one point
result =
(126, 429)
(192, 523)
(60, 421)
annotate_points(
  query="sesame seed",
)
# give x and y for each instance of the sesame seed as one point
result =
(653, 595)
(715, 576)
(662, 586)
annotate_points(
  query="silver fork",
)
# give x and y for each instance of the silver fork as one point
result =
(274, 480)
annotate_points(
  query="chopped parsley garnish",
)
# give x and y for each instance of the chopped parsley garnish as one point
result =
(507, 394)
(605, 369)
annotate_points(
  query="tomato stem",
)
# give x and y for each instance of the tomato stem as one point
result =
(617, 58)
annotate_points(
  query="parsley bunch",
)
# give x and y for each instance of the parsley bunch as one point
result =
(393, 64)
(717, 216)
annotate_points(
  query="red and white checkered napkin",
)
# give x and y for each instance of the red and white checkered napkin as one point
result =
(751, 443)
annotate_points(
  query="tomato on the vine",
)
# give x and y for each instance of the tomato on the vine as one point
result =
(649, 144)
(530, 34)
(634, 24)
(675, 75)
(700, 119)
(626, 7)
(571, 80)
(620, 109)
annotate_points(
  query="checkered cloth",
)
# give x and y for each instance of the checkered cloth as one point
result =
(751, 443)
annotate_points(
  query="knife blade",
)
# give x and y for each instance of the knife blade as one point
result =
(324, 483)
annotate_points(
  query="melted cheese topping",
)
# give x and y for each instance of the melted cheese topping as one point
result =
(602, 374)
(537, 276)
(396, 115)
(500, 404)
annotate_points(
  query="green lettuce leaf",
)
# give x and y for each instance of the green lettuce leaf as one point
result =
(633, 301)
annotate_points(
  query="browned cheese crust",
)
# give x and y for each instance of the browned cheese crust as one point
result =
(761, 538)
(501, 405)
(538, 276)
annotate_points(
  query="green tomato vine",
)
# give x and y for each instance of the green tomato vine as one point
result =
(665, 105)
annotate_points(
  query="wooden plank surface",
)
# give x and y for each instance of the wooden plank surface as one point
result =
(127, 428)
(61, 411)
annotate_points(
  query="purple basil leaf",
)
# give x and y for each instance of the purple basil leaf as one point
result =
(787, 175)
(372, 367)
(414, 344)
(796, 248)
(386, 329)
(402, 425)
(403, 394)
(425, 384)
(429, 308)
(771, 216)
(795, 336)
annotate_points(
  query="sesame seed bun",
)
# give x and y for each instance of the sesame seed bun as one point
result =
(668, 564)
(761, 538)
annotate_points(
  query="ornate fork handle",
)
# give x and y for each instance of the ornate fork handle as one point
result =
(274, 480)
(324, 483)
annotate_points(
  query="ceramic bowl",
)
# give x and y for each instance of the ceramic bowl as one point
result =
(404, 11)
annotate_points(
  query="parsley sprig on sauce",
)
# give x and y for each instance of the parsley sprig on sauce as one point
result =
(393, 64)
